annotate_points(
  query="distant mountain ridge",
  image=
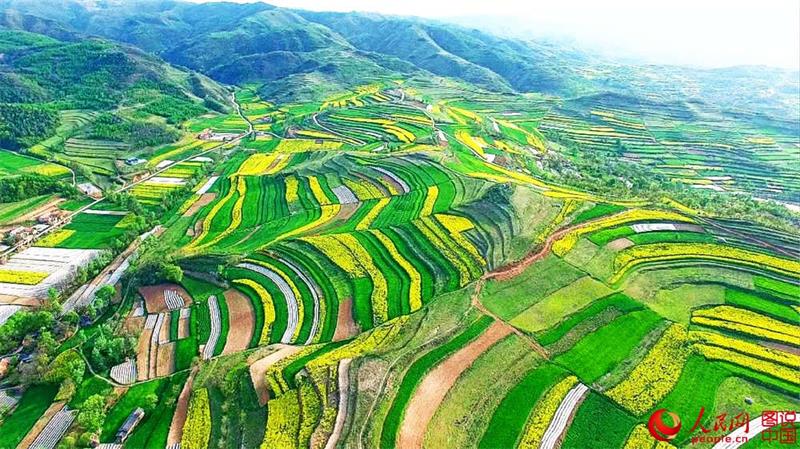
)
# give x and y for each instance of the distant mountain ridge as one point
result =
(297, 55)
(209, 37)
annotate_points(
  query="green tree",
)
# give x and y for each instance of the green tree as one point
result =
(67, 365)
(92, 413)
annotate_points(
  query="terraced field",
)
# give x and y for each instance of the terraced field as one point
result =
(385, 268)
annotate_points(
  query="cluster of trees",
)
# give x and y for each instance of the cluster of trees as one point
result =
(17, 188)
(90, 74)
(138, 133)
(23, 125)
(24, 325)
(108, 348)
(155, 263)
(18, 89)
(605, 174)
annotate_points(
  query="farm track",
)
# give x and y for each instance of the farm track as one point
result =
(433, 388)
(113, 272)
(343, 409)
(31, 215)
(476, 302)
(181, 408)
(258, 369)
(204, 199)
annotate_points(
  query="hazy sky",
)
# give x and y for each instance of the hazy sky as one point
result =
(697, 32)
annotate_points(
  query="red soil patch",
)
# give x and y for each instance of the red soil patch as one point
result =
(513, 269)
(133, 324)
(780, 347)
(434, 387)
(346, 327)
(198, 228)
(258, 369)
(179, 417)
(19, 300)
(346, 211)
(154, 296)
(143, 355)
(620, 244)
(204, 199)
(163, 333)
(183, 328)
(165, 359)
(240, 318)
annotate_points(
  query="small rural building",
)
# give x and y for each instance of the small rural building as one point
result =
(90, 189)
(130, 423)
(135, 161)
(53, 218)
(41, 227)
(205, 134)
(20, 234)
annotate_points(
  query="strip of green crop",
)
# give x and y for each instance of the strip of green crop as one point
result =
(215, 400)
(449, 244)
(509, 418)
(258, 307)
(323, 280)
(598, 412)
(599, 352)
(397, 280)
(278, 300)
(363, 209)
(416, 372)
(617, 300)
(426, 276)
(362, 302)
(443, 272)
(185, 350)
(200, 321)
(254, 200)
(30, 408)
(599, 210)
(761, 302)
(784, 290)
(290, 371)
(174, 317)
(305, 195)
(400, 209)
(224, 324)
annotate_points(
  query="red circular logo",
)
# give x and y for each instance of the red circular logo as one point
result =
(659, 429)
